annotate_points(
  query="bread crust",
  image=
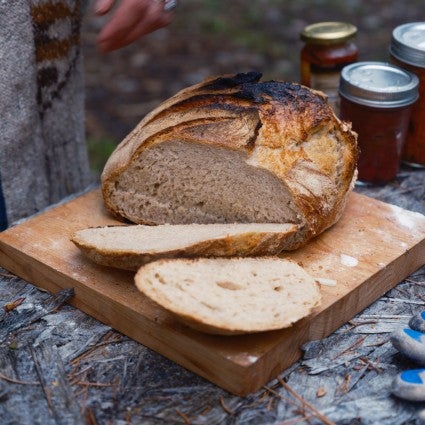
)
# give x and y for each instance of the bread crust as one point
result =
(285, 128)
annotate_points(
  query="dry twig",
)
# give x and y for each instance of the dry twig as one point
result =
(317, 413)
(87, 353)
(225, 407)
(378, 343)
(345, 385)
(370, 364)
(12, 305)
(17, 381)
(93, 384)
(72, 376)
(90, 418)
(184, 416)
(420, 283)
(288, 400)
(206, 410)
(304, 404)
(402, 300)
(270, 404)
(366, 322)
(354, 345)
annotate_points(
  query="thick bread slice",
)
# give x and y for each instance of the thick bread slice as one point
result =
(235, 149)
(128, 247)
(233, 295)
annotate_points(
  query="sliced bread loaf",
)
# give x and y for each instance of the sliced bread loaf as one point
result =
(128, 247)
(233, 295)
(235, 149)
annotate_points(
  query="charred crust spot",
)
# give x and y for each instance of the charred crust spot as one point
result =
(283, 92)
(234, 81)
(242, 92)
(248, 87)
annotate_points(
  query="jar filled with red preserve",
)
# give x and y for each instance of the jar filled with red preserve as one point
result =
(407, 49)
(329, 46)
(377, 98)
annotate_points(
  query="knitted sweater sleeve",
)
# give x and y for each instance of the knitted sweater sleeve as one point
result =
(43, 155)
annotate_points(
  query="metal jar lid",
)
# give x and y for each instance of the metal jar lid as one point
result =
(328, 32)
(408, 43)
(378, 84)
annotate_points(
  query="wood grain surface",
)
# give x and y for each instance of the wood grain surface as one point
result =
(372, 248)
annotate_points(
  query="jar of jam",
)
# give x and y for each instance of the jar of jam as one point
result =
(377, 98)
(407, 49)
(328, 48)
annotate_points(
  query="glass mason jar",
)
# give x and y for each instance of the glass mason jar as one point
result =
(377, 98)
(407, 49)
(328, 48)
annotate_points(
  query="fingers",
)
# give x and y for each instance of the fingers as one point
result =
(103, 6)
(132, 20)
(150, 23)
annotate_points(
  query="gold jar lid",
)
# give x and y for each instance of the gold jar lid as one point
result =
(328, 32)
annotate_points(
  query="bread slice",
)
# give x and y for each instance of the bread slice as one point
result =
(128, 247)
(231, 295)
(235, 149)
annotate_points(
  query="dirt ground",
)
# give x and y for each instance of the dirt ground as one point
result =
(211, 37)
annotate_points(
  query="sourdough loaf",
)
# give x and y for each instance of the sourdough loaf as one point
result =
(235, 149)
(232, 295)
(129, 247)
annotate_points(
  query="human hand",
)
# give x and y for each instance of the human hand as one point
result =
(131, 20)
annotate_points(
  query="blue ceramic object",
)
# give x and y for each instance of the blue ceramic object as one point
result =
(411, 343)
(417, 322)
(410, 385)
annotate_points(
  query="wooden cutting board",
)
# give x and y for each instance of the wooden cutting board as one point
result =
(371, 249)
